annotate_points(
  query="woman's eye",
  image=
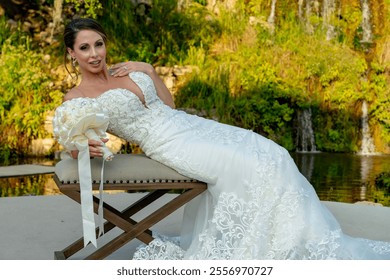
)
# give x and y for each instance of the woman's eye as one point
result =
(83, 48)
(99, 44)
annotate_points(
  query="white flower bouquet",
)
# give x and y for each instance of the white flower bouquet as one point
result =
(80, 119)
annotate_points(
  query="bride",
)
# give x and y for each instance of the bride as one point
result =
(257, 206)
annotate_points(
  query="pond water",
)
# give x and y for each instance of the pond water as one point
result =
(336, 177)
(29, 185)
(345, 177)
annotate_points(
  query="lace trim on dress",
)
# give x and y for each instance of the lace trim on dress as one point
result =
(161, 248)
(234, 233)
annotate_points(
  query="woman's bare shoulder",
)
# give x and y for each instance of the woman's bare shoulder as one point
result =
(73, 93)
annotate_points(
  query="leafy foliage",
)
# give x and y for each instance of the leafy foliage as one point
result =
(26, 97)
(247, 71)
(272, 74)
(160, 34)
(92, 7)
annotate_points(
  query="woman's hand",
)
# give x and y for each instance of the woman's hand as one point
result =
(124, 68)
(94, 149)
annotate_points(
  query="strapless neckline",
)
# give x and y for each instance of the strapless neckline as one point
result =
(143, 102)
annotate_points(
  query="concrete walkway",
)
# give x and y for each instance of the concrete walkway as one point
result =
(24, 170)
(32, 228)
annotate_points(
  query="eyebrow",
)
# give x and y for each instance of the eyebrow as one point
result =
(97, 41)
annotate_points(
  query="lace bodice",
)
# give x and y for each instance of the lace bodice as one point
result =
(129, 117)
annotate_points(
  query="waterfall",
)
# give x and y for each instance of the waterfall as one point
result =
(300, 10)
(328, 11)
(368, 146)
(271, 18)
(366, 22)
(56, 16)
(308, 13)
(305, 134)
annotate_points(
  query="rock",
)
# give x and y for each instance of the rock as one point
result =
(369, 203)
(41, 147)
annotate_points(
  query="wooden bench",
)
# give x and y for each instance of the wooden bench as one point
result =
(131, 173)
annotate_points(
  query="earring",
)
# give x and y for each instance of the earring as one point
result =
(74, 61)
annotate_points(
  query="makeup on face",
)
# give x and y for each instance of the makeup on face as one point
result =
(89, 50)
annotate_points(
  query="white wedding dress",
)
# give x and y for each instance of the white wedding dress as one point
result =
(257, 206)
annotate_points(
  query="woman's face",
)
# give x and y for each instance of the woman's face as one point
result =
(89, 50)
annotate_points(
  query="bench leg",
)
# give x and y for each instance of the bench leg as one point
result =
(59, 255)
(120, 219)
(146, 223)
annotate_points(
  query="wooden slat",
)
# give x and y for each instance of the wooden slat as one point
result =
(149, 221)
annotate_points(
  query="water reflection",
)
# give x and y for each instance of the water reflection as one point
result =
(345, 177)
(305, 162)
(28, 185)
(365, 169)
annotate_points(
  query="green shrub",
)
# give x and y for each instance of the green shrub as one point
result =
(26, 96)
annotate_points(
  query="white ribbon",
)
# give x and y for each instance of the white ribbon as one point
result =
(85, 179)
